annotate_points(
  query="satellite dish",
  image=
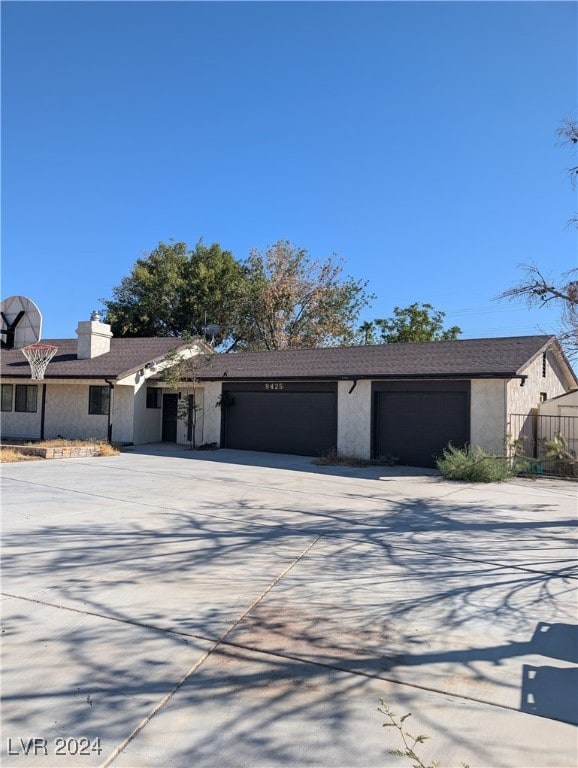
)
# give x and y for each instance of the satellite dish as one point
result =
(21, 322)
(211, 331)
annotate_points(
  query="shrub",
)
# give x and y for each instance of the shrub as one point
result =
(474, 465)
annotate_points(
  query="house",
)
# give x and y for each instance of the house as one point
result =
(95, 386)
(406, 401)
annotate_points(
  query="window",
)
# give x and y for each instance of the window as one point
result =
(7, 397)
(99, 401)
(543, 397)
(544, 365)
(153, 397)
(26, 398)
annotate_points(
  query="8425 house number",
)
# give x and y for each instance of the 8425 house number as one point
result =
(274, 385)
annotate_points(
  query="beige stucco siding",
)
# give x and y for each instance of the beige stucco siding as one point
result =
(123, 415)
(147, 421)
(208, 428)
(67, 413)
(488, 414)
(354, 419)
(566, 405)
(212, 413)
(21, 425)
(524, 399)
(182, 423)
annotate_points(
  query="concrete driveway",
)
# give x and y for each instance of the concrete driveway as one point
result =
(175, 608)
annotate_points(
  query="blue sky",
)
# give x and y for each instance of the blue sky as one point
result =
(415, 140)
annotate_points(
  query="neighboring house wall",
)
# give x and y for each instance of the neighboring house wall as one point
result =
(488, 414)
(559, 417)
(546, 378)
(566, 405)
(67, 413)
(354, 419)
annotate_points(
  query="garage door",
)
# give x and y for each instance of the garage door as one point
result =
(415, 422)
(282, 417)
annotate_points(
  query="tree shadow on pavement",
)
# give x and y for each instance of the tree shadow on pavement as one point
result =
(300, 605)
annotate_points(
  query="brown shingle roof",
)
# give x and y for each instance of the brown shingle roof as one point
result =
(496, 357)
(125, 357)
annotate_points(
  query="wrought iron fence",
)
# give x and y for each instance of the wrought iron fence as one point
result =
(549, 444)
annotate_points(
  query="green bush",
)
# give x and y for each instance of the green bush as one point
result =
(474, 465)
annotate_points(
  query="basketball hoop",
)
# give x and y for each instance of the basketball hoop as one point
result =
(39, 355)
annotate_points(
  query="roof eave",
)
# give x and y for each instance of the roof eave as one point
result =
(366, 376)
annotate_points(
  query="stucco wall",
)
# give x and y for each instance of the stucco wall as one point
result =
(566, 405)
(208, 429)
(147, 421)
(524, 399)
(488, 414)
(123, 415)
(67, 413)
(182, 427)
(212, 414)
(354, 419)
(25, 425)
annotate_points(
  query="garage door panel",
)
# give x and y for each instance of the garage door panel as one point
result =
(281, 421)
(416, 426)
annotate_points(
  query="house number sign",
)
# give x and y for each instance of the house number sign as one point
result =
(274, 385)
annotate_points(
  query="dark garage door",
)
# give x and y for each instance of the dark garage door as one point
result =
(415, 422)
(281, 417)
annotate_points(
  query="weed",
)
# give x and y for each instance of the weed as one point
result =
(334, 459)
(409, 742)
(474, 465)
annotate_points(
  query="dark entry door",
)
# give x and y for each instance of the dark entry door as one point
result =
(281, 417)
(170, 404)
(416, 425)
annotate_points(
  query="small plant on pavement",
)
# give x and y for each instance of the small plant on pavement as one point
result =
(473, 465)
(409, 742)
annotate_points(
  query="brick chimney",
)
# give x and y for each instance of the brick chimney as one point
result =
(93, 337)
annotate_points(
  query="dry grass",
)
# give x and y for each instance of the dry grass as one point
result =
(11, 452)
(334, 459)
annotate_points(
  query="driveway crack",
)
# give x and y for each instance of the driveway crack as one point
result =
(191, 671)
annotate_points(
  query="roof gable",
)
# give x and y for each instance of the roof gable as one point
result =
(126, 356)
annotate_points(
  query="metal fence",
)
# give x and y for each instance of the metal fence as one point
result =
(549, 443)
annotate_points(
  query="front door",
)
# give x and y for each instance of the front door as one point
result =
(170, 405)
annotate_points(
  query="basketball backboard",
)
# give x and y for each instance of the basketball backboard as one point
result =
(20, 322)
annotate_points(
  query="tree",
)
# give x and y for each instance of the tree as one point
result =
(294, 300)
(418, 322)
(538, 289)
(173, 291)
(182, 371)
(568, 134)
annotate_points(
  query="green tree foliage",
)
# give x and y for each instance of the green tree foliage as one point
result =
(295, 300)
(418, 322)
(273, 300)
(173, 291)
